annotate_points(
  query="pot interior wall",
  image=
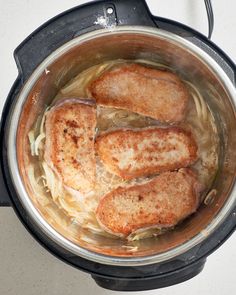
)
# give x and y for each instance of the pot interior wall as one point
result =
(130, 46)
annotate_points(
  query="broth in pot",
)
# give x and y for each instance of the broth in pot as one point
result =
(78, 212)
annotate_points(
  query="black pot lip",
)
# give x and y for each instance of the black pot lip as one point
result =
(29, 225)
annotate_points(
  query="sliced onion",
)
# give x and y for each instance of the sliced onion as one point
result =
(32, 142)
(37, 143)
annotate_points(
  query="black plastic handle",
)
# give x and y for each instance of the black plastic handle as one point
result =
(4, 197)
(151, 282)
(77, 21)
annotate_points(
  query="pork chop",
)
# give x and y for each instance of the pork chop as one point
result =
(150, 92)
(69, 148)
(142, 152)
(163, 202)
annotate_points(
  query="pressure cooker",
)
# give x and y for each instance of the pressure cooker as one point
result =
(70, 43)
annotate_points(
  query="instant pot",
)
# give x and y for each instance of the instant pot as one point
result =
(51, 56)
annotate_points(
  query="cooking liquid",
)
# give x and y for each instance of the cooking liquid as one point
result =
(81, 213)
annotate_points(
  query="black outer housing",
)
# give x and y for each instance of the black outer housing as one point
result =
(46, 39)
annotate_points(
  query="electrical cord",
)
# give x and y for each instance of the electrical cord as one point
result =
(210, 17)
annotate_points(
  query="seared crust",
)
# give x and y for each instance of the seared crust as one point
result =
(154, 93)
(69, 150)
(136, 153)
(163, 202)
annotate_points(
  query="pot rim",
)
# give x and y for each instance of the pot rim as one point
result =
(23, 195)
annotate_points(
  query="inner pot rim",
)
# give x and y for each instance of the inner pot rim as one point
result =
(26, 200)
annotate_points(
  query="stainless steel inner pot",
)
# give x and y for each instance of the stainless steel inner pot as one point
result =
(126, 43)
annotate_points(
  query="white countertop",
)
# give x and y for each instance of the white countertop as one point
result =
(25, 267)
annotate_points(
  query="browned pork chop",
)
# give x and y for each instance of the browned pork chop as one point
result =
(69, 149)
(163, 201)
(154, 93)
(143, 152)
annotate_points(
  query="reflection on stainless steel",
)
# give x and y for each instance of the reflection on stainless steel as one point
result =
(192, 64)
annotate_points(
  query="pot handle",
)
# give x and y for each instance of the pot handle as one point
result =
(74, 22)
(4, 197)
(149, 283)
